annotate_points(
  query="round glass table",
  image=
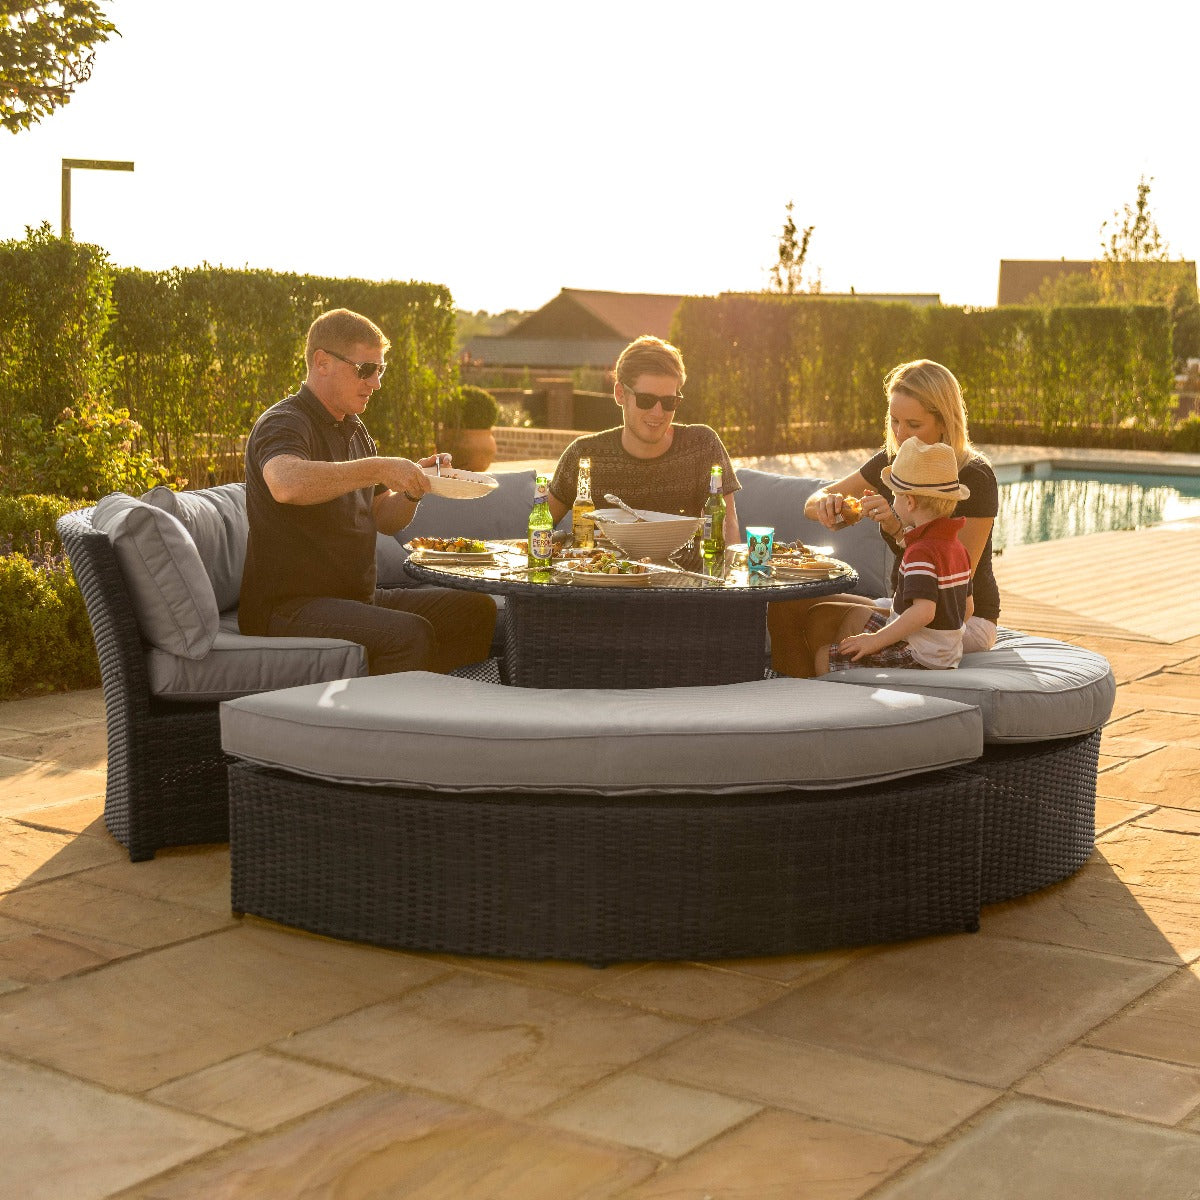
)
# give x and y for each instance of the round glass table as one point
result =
(673, 629)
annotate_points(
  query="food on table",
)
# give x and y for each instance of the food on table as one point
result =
(454, 545)
(601, 562)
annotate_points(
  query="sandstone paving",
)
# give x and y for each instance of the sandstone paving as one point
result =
(257, 1091)
(1158, 728)
(651, 1114)
(77, 905)
(83, 815)
(1170, 775)
(985, 1009)
(1164, 1024)
(1036, 1150)
(66, 1138)
(33, 856)
(1173, 820)
(1151, 860)
(492, 1042)
(388, 1144)
(26, 784)
(781, 1156)
(1095, 910)
(187, 875)
(1111, 813)
(142, 1021)
(1172, 693)
(82, 745)
(37, 957)
(1118, 1083)
(693, 991)
(868, 1093)
(59, 711)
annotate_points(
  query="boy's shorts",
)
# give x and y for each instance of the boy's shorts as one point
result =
(898, 654)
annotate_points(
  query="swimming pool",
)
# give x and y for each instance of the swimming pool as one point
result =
(1064, 503)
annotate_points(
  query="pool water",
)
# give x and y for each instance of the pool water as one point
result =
(1064, 504)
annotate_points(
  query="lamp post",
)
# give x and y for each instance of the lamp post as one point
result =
(90, 164)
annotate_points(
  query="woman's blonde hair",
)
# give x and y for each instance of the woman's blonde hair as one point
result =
(936, 390)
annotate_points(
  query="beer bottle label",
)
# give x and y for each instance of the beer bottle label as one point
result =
(541, 543)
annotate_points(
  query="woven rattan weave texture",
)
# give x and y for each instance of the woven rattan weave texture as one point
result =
(600, 879)
(167, 784)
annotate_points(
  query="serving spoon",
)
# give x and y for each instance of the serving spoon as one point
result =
(633, 512)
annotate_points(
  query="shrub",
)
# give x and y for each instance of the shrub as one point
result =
(476, 408)
(1187, 435)
(27, 524)
(91, 451)
(45, 637)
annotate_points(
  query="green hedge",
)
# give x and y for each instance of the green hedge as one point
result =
(45, 638)
(195, 355)
(200, 353)
(779, 374)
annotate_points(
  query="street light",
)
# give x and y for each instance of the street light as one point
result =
(89, 164)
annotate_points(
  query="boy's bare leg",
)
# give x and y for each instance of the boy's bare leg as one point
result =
(799, 627)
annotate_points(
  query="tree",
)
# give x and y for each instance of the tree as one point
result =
(46, 49)
(787, 275)
(1137, 267)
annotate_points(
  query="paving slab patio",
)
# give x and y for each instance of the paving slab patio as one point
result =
(153, 1046)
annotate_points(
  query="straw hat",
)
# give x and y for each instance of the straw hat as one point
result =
(925, 469)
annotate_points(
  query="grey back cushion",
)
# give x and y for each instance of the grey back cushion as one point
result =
(767, 498)
(216, 519)
(172, 597)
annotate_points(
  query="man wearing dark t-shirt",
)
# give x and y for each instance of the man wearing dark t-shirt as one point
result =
(649, 461)
(317, 492)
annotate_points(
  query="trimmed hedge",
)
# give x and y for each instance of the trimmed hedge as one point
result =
(195, 355)
(779, 374)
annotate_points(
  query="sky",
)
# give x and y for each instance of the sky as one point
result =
(510, 150)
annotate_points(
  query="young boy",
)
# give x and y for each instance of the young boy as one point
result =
(933, 597)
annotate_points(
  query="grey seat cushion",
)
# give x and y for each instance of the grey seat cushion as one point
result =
(1028, 689)
(238, 664)
(452, 734)
(767, 498)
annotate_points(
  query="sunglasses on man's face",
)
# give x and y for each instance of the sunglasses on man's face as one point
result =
(647, 400)
(364, 370)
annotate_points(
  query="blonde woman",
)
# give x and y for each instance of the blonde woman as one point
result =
(925, 402)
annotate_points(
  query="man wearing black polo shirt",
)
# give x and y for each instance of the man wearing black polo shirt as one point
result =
(317, 492)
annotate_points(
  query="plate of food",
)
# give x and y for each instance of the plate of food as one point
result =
(810, 566)
(603, 569)
(452, 550)
(456, 484)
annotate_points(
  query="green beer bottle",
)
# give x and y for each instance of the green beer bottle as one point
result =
(712, 524)
(541, 529)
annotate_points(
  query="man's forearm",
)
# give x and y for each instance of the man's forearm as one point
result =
(305, 481)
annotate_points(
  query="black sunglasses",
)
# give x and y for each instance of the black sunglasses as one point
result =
(364, 370)
(647, 400)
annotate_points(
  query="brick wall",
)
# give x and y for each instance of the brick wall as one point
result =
(515, 444)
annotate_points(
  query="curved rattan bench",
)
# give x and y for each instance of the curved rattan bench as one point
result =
(356, 812)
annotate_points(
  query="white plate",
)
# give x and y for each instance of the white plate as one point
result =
(460, 485)
(424, 554)
(600, 579)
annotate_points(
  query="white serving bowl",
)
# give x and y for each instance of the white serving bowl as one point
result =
(659, 535)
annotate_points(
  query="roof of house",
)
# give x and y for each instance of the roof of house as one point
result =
(557, 352)
(575, 313)
(1021, 278)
